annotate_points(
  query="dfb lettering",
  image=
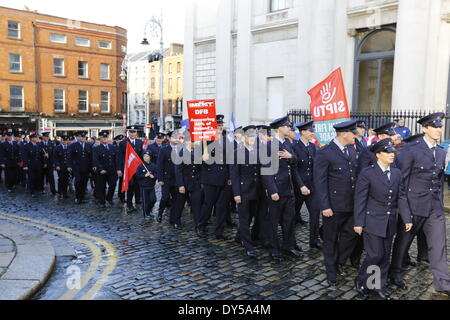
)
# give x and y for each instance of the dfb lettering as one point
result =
(201, 111)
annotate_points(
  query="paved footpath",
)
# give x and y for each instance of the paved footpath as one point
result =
(109, 254)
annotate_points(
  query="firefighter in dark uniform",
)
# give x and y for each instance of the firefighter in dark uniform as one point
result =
(360, 142)
(80, 164)
(21, 174)
(10, 160)
(245, 176)
(335, 173)
(60, 160)
(368, 158)
(120, 194)
(155, 147)
(422, 248)
(104, 159)
(133, 188)
(49, 147)
(261, 222)
(146, 178)
(305, 152)
(423, 165)
(34, 163)
(216, 182)
(379, 194)
(280, 190)
(187, 180)
(2, 138)
(166, 179)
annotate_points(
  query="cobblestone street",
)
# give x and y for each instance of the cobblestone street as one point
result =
(154, 261)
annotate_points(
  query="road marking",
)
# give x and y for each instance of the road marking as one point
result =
(78, 237)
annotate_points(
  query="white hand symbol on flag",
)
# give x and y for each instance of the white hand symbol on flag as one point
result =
(327, 96)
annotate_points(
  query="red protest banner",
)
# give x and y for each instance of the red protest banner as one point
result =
(202, 120)
(328, 99)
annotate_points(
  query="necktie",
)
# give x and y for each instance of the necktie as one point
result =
(386, 173)
(434, 153)
(345, 150)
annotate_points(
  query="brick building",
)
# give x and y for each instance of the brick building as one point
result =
(60, 75)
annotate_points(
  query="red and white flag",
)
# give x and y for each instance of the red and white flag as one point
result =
(132, 162)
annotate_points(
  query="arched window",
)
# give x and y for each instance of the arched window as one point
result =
(374, 70)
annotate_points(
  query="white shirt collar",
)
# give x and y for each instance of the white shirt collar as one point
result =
(429, 144)
(306, 144)
(339, 145)
(279, 139)
(381, 167)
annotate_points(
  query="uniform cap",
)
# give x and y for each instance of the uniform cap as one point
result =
(346, 126)
(388, 129)
(384, 145)
(432, 120)
(281, 122)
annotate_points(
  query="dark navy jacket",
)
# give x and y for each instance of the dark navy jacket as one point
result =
(33, 156)
(138, 147)
(305, 163)
(105, 158)
(61, 157)
(143, 181)
(165, 166)
(377, 200)
(49, 148)
(188, 175)
(360, 146)
(335, 178)
(283, 181)
(216, 174)
(245, 177)
(154, 148)
(10, 154)
(80, 160)
(423, 177)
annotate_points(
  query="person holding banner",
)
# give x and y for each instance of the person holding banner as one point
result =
(305, 151)
(137, 144)
(335, 173)
(104, 159)
(146, 178)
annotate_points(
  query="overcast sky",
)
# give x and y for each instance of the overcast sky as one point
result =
(129, 14)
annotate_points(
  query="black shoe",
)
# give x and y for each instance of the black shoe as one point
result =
(276, 257)
(293, 253)
(122, 200)
(332, 284)
(231, 224)
(238, 241)
(33, 195)
(159, 217)
(302, 222)
(103, 206)
(138, 202)
(410, 263)
(78, 201)
(131, 209)
(222, 237)
(10, 191)
(296, 247)
(355, 264)
(251, 254)
(383, 294)
(177, 226)
(400, 283)
(361, 290)
(202, 234)
(341, 271)
(316, 245)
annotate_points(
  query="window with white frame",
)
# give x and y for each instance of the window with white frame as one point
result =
(83, 101)
(170, 68)
(104, 101)
(178, 85)
(82, 42)
(104, 71)
(170, 85)
(104, 44)
(83, 69)
(15, 63)
(16, 98)
(58, 67)
(58, 38)
(58, 100)
(277, 5)
(13, 30)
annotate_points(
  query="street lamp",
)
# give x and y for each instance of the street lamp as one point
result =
(156, 29)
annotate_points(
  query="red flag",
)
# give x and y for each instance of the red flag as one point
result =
(132, 162)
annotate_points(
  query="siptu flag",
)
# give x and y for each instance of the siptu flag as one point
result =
(132, 162)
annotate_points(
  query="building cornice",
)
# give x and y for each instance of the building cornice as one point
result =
(370, 8)
(276, 26)
(77, 26)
